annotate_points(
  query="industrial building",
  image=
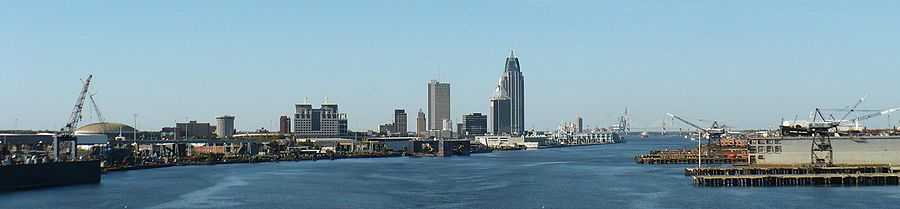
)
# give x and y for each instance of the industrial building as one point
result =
(194, 130)
(856, 150)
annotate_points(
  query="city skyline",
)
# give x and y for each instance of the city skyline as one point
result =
(650, 57)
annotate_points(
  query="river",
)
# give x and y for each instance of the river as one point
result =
(601, 176)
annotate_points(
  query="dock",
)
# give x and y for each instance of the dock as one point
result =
(794, 176)
(863, 179)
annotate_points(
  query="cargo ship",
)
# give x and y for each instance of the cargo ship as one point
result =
(32, 176)
(32, 161)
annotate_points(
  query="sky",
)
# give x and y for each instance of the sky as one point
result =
(748, 64)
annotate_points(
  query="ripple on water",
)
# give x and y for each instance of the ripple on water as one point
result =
(209, 197)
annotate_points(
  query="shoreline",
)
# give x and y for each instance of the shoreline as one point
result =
(116, 169)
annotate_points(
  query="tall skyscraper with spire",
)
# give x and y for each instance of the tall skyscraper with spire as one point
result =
(513, 83)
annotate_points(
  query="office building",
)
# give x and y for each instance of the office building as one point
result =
(438, 105)
(514, 84)
(194, 130)
(385, 129)
(459, 130)
(447, 124)
(579, 123)
(225, 126)
(284, 124)
(421, 125)
(474, 124)
(326, 121)
(501, 119)
(400, 128)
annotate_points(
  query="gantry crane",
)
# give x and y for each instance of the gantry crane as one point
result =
(822, 129)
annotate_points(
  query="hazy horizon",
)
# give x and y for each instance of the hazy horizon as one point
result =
(747, 64)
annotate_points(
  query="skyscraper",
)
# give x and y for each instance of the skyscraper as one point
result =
(421, 125)
(400, 122)
(514, 84)
(438, 104)
(501, 119)
(579, 123)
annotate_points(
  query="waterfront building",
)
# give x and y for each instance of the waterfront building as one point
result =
(579, 122)
(385, 129)
(459, 130)
(225, 126)
(421, 125)
(400, 128)
(501, 119)
(326, 121)
(448, 125)
(438, 104)
(284, 124)
(501, 142)
(513, 84)
(193, 130)
(848, 150)
(474, 124)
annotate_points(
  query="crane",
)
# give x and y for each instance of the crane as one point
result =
(822, 152)
(75, 117)
(714, 132)
(67, 133)
(97, 109)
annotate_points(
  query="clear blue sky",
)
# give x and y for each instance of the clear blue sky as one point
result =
(748, 63)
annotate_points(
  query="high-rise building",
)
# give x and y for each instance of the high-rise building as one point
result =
(438, 105)
(326, 121)
(400, 122)
(421, 125)
(514, 84)
(579, 123)
(501, 114)
(225, 126)
(459, 130)
(474, 124)
(284, 124)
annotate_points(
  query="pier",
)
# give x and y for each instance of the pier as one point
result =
(794, 176)
(863, 179)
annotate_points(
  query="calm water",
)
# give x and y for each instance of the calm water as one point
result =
(581, 177)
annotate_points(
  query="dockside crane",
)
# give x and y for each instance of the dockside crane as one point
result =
(822, 129)
(711, 133)
(97, 109)
(67, 133)
(715, 132)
